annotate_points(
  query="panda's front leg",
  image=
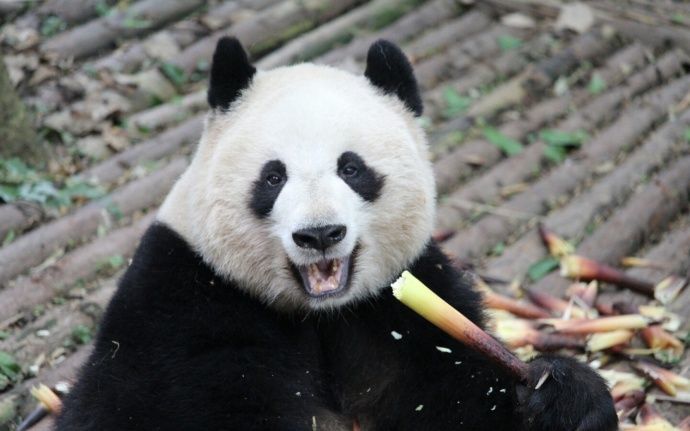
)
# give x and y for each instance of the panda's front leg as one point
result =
(563, 394)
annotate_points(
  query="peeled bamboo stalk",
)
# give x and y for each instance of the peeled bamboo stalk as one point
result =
(413, 293)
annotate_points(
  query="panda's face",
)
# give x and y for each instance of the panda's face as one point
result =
(313, 191)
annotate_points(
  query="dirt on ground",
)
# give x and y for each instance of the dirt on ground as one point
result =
(567, 119)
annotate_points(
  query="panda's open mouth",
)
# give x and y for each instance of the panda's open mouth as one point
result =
(324, 278)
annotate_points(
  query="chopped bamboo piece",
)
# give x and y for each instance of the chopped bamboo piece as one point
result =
(558, 247)
(628, 403)
(520, 333)
(581, 268)
(47, 398)
(614, 378)
(668, 289)
(666, 380)
(637, 262)
(656, 338)
(554, 304)
(623, 387)
(649, 419)
(605, 340)
(601, 324)
(669, 321)
(518, 308)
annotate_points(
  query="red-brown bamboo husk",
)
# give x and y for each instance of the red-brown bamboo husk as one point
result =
(552, 303)
(649, 415)
(581, 268)
(557, 246)
(627, 404)
(623, 307)
(518, 308)
(519, 333)
(601, 324)
(605, 308)
(684, 425)
(624, 387)
(657, 338)
(666, 380)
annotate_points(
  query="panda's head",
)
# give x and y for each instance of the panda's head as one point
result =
(311, 187)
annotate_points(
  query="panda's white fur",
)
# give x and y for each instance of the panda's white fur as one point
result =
(306, 116)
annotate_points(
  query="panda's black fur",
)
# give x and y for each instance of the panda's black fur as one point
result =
(181, 348)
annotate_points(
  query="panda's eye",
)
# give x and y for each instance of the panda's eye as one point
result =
(349, 170)
(274, 179)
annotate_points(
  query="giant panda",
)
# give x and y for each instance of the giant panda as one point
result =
(260, 299)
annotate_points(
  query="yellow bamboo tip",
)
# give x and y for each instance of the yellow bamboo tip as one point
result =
(47, 398)
(410, 291)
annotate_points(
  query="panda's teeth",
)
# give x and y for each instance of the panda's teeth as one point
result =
(324, 276)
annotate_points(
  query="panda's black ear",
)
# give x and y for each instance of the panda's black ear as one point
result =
(389, 69)
(231, 73)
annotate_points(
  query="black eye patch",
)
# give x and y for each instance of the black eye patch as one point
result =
(365, 181)
(267, 187)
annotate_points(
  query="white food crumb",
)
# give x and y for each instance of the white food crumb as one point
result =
(299, 394)
(419, 408)
(503, 390)
(62, 387)
(493, 408)
(43, 333)
(458, 362)
(443, 349)
(491, 389)
(396, 335)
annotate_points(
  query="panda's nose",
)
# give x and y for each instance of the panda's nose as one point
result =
(319, 238)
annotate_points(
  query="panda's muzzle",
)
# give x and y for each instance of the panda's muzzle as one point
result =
(326, 277)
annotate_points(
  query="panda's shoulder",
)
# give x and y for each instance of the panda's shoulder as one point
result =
(168, 285)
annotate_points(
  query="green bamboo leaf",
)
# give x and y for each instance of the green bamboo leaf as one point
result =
(455, 102)
(539, 269)
(554, 153)
(561, 138)
(596, 84)
(508, 145)
(176, 74)
(508, 42)
(8, 366)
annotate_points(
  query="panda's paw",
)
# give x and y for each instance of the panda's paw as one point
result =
(563, 394)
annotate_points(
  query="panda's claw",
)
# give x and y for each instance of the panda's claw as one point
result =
(563, 394)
